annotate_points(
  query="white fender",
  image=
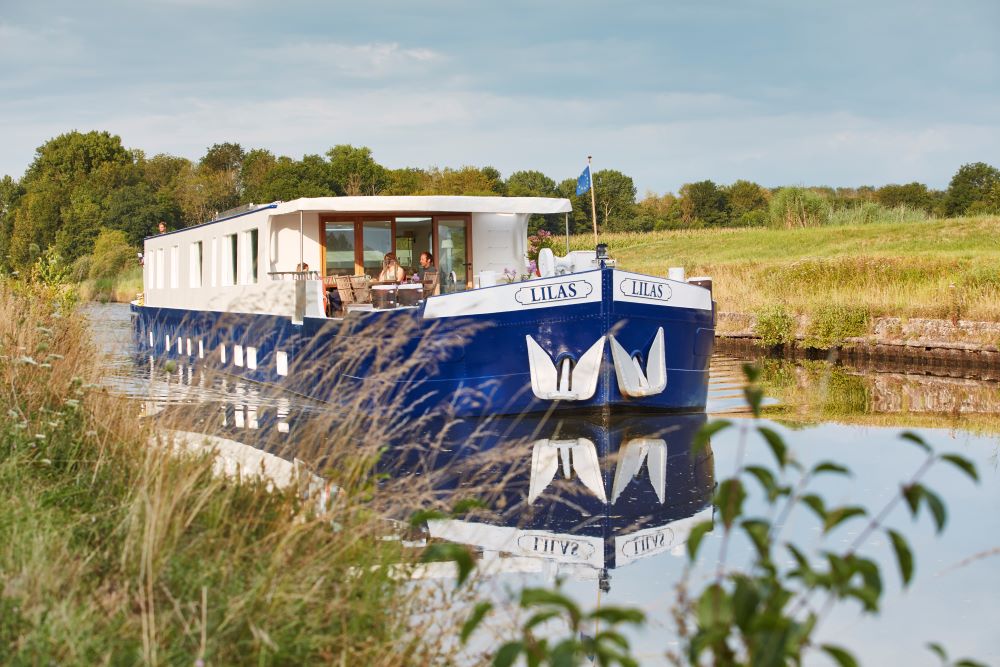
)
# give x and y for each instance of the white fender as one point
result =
(546, 263)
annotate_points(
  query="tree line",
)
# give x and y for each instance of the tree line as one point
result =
(82, 183)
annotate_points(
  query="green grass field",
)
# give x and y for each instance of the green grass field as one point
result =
(937, 268)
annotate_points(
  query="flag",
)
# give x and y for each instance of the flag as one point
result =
(583, 183)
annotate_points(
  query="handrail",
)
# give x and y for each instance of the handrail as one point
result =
(293, 275)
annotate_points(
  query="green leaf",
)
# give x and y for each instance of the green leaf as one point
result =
(936, 506)
(766, 479)
(830, 466)
(965, 662)
(478, 613)
(616, 615)
(714, 608)
(759, 531)
(534, 597)
(840, 568)
(963, 464)
(903, 555)
(915, 439)
(838, 515)
(746, 599)
(421, 517)
(507, 654)
(466, 504)
(751, 372)
(565, 653)
(840, 655)
(870, 573)
(705, 433)
(457, 553)
(754, 397)
(939, 650)
(541, 617)
(695, 536)
(913, 493)
(776, 443)
(866, 596)
(729, 499)
(804, 570)
(815, 503)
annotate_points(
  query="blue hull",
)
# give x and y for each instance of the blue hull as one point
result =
(464, 364)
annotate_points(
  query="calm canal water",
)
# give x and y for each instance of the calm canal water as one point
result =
(612, 527)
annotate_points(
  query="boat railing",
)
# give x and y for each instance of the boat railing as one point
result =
(293, 275)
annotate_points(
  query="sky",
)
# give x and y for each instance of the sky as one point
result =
(779, 92)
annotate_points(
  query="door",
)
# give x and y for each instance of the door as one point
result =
(455, 262)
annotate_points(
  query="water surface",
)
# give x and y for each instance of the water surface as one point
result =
(605, 505)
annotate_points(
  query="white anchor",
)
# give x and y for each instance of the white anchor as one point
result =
(632, 379)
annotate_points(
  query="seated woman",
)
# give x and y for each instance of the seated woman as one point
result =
(392, 272)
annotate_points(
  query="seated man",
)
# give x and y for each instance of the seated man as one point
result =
(427, 269)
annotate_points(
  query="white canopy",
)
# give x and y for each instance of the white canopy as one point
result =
(427, 204)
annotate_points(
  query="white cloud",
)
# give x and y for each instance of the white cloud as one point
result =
(373, 60)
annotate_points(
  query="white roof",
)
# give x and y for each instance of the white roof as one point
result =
(427, 204)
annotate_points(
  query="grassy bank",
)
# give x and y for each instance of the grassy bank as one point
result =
(121, 288)
(937, 268)
(113, 551)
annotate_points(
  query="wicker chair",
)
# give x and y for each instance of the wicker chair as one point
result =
(345, 290)
(362, 290)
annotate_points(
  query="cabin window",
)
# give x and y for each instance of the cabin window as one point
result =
(251, 357)
(377, 241)
(180, 345)
(230, 257)
(222, 354)
(215, 262)
(159, 268)
(196, 264)
(150, 260)
(189, 346)
(250, 245)
(281, 362)
(201, 349)
(175, 267)
(340, 248)
(238, 355)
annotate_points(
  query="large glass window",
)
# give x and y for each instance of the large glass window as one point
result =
(340, 248)
(413, 236)
(452, 257)
(376, 241)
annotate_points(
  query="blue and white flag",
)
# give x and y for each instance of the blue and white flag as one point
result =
(583, 183)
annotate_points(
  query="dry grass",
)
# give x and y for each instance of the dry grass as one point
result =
(113, 551)
(938, 268)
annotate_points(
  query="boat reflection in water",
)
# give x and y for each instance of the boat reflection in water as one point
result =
(583, 495)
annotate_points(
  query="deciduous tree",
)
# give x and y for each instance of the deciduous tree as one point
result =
(972, 183)
(356, 172)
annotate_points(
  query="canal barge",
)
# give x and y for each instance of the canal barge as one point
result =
(287, 294)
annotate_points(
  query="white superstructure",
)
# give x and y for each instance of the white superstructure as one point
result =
(245, 263)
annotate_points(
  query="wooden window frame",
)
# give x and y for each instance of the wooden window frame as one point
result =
(359, 220)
